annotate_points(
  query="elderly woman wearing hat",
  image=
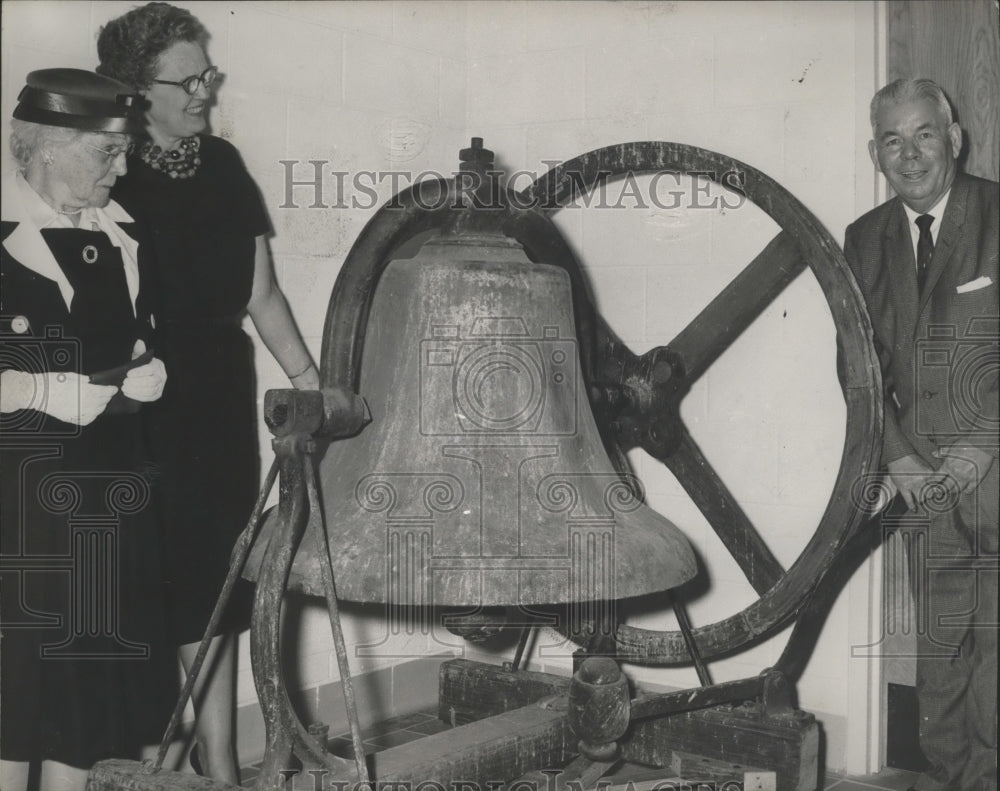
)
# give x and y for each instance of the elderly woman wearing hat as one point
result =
(209, 234)
(86, 671)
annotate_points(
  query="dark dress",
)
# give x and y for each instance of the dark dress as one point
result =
(203, 430)
(87, 672)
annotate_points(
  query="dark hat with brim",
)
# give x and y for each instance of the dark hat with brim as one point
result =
(79, 99)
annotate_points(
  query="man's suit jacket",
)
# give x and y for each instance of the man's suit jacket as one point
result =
(938, 350)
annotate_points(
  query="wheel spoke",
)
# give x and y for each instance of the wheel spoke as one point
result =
(724, 514)
(638, 398)
(714, 329)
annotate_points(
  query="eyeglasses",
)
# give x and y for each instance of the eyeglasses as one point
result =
(190, 84)
(113, 152)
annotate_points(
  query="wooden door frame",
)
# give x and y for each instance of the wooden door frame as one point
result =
(898, 52)
(865, 737)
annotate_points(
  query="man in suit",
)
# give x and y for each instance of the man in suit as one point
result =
(926, 262)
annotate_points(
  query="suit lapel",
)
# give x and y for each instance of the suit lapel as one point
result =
(948, 236)
(902, 267)
(24, 241)
(26, 246)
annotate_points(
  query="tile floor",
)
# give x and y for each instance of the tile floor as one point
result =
(886, 780)
(400, 730)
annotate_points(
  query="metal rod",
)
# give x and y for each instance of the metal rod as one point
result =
(522, 642)
(281, 723)
(239, 558)
(333, 610)
(697, 698)
(688, 633)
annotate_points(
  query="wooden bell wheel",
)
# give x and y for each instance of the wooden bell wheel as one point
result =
(637, 398)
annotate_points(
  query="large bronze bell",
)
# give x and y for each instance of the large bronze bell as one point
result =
(482, 479)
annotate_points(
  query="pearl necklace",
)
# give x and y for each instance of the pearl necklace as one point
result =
(181, 163)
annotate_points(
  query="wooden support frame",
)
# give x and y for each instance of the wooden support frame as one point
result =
(508, 732)
(785, 741)
(484, 754)
(121, 775)
(493, 750)
(787, 744)
(509, 723)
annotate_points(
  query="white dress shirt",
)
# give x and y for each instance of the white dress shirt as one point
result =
(937, 211)
(25, 207)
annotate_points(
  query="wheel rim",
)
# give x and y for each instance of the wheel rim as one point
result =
(669, 371)
(802, 242)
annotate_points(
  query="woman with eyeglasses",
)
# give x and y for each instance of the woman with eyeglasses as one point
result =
(209, 238)
(87, 672)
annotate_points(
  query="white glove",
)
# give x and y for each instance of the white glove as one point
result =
(65, 396)
(146, 382)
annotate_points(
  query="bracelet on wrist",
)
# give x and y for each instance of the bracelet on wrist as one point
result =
(303, 371)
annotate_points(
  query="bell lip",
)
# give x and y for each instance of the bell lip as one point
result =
(679, 565)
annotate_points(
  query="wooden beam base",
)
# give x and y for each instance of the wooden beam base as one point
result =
(721, 774)
(470, 691)
(484, 754)
(490, 751)
(121, 775)
(786, 743)
(510, 723)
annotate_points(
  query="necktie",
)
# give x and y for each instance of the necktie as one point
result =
(925, 249)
